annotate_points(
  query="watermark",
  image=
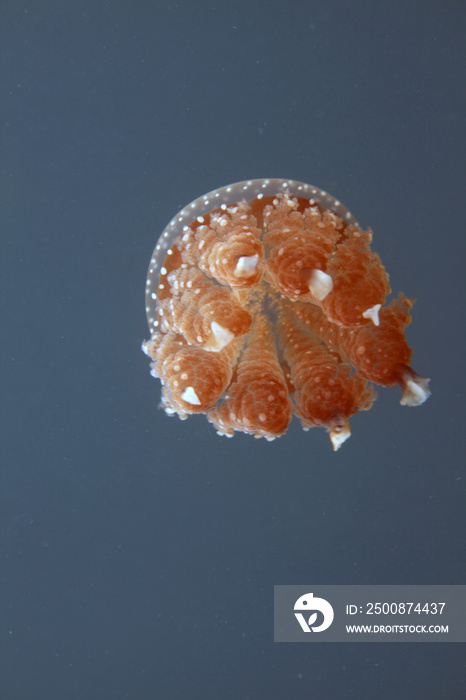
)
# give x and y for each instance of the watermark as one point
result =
(370, 613)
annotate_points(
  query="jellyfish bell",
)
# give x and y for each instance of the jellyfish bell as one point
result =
(264, 300)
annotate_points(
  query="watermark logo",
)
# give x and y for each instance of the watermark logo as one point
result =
(365, 613)
(308, 603)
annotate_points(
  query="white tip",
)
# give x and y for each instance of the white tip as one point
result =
(219, 338)
(190, 396)
(415, 391)
(246, 266)
(373, 314)
(320, 284)
(339, 431)
(150, 346)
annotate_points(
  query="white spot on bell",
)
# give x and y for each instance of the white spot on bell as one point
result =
(190, 396)
(320, 284)
(246, 265)
(373, 314)
(219, 338)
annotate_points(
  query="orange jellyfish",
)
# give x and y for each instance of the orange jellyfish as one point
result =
(264, 300)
